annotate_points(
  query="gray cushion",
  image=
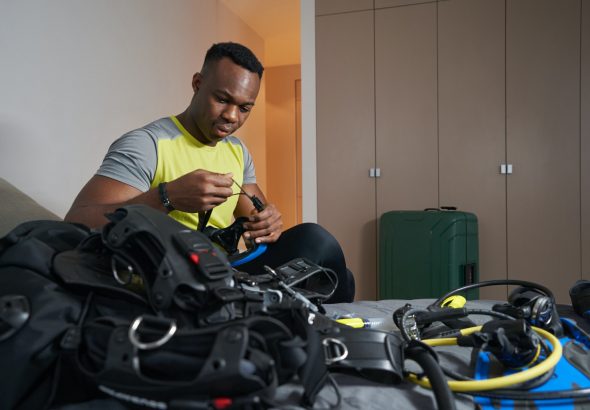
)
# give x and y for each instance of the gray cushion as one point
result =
(17, 207)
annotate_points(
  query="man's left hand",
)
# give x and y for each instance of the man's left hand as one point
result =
(265, 226)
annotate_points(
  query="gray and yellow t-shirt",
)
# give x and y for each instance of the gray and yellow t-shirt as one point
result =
(164, 150)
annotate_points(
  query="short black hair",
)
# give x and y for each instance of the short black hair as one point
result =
(239, 54)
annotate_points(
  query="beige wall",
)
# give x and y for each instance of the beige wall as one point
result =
(76, 75)
(281, 144)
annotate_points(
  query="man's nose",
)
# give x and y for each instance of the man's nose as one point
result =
(230, 114)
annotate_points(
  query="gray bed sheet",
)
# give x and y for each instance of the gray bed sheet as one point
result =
(359, 393)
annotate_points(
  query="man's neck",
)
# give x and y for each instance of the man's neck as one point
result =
(186, 120)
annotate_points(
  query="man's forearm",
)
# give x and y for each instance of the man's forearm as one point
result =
(94, 215)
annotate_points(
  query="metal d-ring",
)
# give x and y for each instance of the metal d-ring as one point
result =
(116, 273)
(327, 342)
(134, 339)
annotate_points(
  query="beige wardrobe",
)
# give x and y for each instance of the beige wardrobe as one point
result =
(479, 104)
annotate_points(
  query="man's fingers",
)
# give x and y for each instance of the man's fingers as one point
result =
(258, 231)
(221, 180)
(270, 238)
(265, 226)
(259, 216)
(216, 200)
(259, 225)
(220, 192)
(213, 178)
(269, 212)
(224, 192)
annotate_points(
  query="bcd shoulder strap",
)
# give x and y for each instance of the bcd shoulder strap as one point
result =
(180, 267)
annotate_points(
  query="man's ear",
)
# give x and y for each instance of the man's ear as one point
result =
(197, 80)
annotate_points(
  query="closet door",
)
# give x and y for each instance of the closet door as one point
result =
(379, 4)
(323, 7)
(585, 77)
(405, 87)
(472, 145)
(346, 140)
(543, 142)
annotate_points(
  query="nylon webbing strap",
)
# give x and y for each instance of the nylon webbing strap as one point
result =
(374, 354)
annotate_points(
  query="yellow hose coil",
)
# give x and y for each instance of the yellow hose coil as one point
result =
(496, 382)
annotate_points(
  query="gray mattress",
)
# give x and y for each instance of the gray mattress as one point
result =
(356, 392)
(359, 393)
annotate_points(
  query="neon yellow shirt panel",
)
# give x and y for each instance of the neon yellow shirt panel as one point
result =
(163, 151)
(183, 154)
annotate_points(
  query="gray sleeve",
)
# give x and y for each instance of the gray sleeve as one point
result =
(131, 159)
(249, 171)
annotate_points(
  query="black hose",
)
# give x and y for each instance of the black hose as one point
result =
(528, 396)
(523, 387)
(516, 282)
(444, 397)
(486, 312)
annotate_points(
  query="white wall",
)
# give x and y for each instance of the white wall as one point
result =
(75, 75)
(253, 133)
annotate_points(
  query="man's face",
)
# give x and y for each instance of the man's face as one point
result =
(224, 96)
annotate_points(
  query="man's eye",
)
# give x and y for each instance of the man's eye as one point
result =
(245, 109)
(221, 100)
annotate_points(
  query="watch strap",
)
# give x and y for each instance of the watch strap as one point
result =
(164, 197)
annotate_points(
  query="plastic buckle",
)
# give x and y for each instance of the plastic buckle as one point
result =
(228, 295)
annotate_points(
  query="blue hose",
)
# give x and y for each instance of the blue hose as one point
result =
(250, 255)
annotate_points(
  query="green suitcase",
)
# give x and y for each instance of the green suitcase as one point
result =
(424, 254)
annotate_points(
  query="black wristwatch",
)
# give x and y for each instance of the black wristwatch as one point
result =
(164, 197)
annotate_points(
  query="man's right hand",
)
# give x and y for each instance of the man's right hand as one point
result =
(193, 192)
(199, 190)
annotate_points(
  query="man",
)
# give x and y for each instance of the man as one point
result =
(191, 163)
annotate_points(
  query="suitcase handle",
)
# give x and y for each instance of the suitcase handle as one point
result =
(469, 273)
(442, 208)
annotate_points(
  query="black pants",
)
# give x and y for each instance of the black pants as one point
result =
(313, 242)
